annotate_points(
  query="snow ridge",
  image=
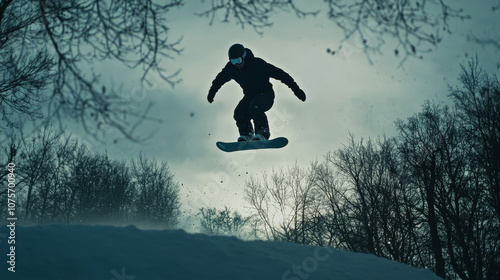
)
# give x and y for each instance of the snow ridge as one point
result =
(127, 253)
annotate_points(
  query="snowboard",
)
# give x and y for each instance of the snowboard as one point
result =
(275, 143)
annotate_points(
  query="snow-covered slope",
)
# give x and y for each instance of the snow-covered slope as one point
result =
(105, 252)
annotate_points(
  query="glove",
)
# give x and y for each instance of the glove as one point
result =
(210, 97)
(300, 94)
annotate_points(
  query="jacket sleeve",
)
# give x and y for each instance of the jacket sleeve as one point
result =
(223, 77)
(284, 77)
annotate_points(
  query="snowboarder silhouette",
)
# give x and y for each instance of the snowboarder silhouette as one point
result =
(252, 74)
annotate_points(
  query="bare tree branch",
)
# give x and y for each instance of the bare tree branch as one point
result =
(416, 26)
(49, 45)
(252, 13)
(484, 42)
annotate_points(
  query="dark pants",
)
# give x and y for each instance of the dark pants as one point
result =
(254, 108)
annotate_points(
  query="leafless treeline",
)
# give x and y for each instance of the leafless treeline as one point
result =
(59, 180)
(428, 197)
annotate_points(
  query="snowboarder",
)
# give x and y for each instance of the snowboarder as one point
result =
(252, 74)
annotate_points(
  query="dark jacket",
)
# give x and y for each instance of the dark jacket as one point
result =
(253, 77)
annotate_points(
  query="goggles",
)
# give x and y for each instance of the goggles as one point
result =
(238, 60)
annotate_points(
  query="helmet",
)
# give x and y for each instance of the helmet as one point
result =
(237, 53)
(236, 50)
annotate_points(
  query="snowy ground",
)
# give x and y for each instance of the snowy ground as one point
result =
(105, 252)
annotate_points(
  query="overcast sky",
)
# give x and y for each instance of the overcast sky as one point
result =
(345, 93)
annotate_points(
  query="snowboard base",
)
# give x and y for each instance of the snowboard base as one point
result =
(275, 143)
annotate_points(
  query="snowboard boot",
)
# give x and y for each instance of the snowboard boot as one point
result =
(262, 134)
(245, 137)
(246, 131)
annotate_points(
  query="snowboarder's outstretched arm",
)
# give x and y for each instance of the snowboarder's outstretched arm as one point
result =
(284, 77)
(221, 78)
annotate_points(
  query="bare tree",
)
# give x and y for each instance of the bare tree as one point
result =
(100, 189)
(55, 206)
(35, 167)
(226, 222)
(285, 203)
(334, 228)
(372, 206)
(478, 100)
(49, 45)
(434, 145)
(421, 147)
(156, 198)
